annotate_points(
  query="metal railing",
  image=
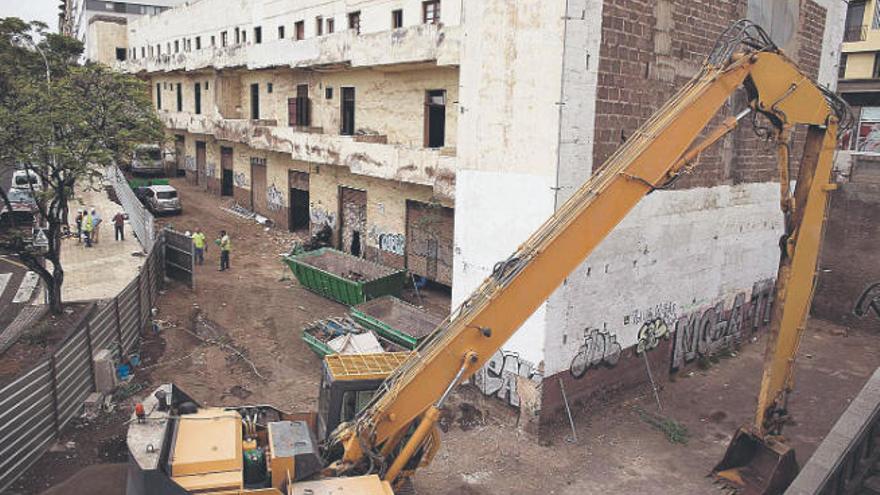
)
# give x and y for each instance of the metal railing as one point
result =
(141, 220)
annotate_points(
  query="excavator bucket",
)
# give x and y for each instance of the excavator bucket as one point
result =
(757, 466)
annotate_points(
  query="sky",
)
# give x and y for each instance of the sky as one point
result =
(32, 10)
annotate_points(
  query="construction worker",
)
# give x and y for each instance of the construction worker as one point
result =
(87, 227)
(199, 244)
(119, 226)
(96, 226)
(225, 246)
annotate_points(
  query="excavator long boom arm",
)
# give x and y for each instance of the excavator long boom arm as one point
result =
(397, 429)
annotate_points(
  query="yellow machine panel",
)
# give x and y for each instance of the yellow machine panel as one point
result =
(208, 441)
(360, 485)
(227, 480)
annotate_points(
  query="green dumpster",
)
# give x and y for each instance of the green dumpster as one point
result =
(343, 277)
(137, 182)
(396, 320)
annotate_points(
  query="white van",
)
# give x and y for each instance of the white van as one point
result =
(147, 160)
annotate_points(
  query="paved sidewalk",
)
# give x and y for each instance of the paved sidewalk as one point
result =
(103, 270)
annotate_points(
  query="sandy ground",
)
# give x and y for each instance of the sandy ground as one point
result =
(261, 312)
(103, 270)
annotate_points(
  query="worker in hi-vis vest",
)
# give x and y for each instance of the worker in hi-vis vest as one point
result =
(225, 246)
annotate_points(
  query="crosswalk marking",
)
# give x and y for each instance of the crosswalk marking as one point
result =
(26, 289)
(4, 281)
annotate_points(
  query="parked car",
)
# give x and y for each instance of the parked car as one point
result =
(147, 160)
(25, 180)
(159, 199)
(24, 207)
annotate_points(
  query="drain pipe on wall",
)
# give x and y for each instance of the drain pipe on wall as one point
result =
(560, 104)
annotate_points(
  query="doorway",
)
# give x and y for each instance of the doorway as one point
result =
(435, 119)
(352, 220)
(180, 156)
(347, 109)
(298, 184)
(227, 181)
(259, 202)
(201, 160)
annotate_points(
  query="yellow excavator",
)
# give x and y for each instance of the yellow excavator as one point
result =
(378, 414)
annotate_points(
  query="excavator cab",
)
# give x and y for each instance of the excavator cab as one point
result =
(348, 384)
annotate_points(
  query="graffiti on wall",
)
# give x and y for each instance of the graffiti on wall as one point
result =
(869, 302)
(392, 243)
(668, 311)
(189, 163)
(650, 334)
(600, 348)
(703, 333)
(211, 170)
(240, 180)
(274, 198)
(320, 217)
(500, 375)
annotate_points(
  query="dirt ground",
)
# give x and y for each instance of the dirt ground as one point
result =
(38, 341)
(258, 311)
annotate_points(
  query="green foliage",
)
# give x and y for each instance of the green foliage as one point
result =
(64, 122)
(675, 432)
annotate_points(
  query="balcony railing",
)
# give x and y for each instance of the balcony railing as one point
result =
(855, 33)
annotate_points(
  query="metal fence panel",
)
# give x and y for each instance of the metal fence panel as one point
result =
(141, 221)
(40, 405)
(35, 406)
(179, 256)
(26, 453)
(103, 327)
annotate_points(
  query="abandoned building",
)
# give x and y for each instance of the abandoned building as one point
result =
(437, 135)
(101, 25)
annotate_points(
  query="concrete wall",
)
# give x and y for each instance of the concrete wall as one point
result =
(511, 73)
(388, 103)
(104, 37)
(199, 18)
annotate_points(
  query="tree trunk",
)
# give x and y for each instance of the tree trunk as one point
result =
(53, 290)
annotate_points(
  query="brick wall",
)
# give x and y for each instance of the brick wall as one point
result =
(850, 263)
(649, 49)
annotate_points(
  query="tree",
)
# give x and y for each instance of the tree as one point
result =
(64, 123)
